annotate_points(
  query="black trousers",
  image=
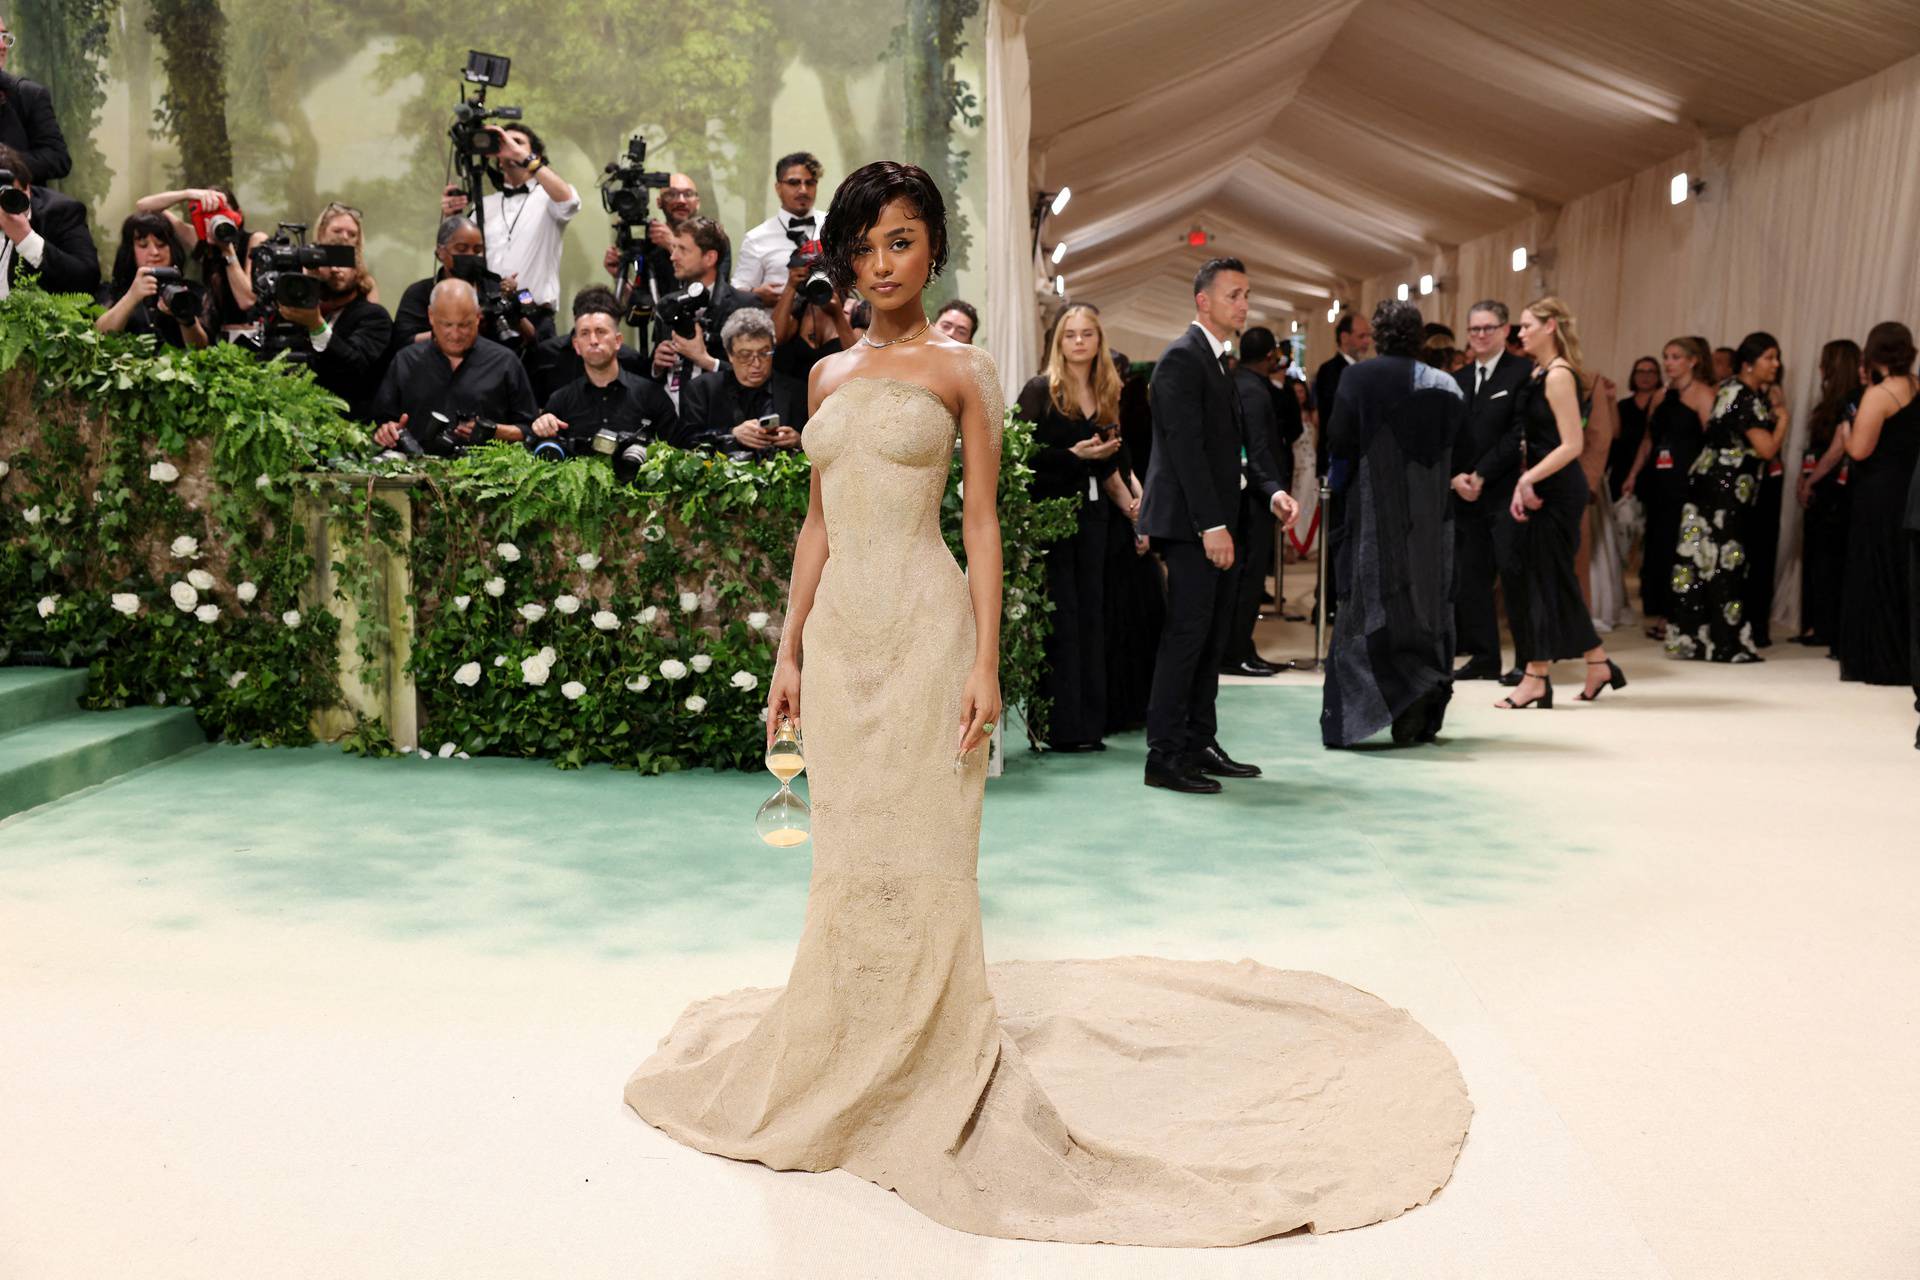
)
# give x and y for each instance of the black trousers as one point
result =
(1252, 562)
(1186, 673)
(1476, 619)
(1075, 677)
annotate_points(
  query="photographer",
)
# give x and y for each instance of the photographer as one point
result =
(958, 320)
(344, 338)
(45, 232)
(679, 352)
(28, 122)
(525, 220)
(727, 410)
(765, 249)
(807, 330)
(222, 246)
(608, 396)
(557, 362)
(678, 200)
(459, 249)
(148, 294)
(469, 382)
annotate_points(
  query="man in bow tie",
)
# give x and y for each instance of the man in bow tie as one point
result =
(762, 266)
(525, 220)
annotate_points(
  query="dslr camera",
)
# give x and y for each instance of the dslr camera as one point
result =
(12, 199)
(624, 450)
(685, 311)
(481, 429)
(182, 303)
(817, 289)
(223, 225)
(500, 312)
(280, 263)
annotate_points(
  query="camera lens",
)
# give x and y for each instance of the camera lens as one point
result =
(551, 450)
(14, 200)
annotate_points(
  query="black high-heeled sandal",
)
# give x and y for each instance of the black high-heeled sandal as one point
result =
(1544, 701)
(1616, 679)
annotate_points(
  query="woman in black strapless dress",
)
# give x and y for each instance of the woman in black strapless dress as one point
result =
(1676, 428)
(1825, 493)
(1550, 617)
(1884, 446)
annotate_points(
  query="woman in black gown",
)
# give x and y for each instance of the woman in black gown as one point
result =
(1136, 593)
(1763, 534)
(1824, 494)
(1884, 447)
(1075, 407)
(1643, 386)
(1549, 613)
(1676, 425)
(1710, 592)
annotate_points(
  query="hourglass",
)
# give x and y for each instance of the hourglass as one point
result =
(784, 820)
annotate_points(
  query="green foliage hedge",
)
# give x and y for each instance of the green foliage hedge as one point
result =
(556, 613)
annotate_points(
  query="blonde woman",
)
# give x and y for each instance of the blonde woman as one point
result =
(1075, 409)
(1550, 620)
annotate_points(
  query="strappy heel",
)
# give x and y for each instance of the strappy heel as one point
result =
(1544, 701)
(1616, 679)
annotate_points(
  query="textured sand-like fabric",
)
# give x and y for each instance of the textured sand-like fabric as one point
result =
(1131, 1101)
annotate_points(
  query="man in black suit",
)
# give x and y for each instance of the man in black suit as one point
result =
(1263, 474)
(50, 238)
(1486, 462)
(1353, 333)
(1188, 512)
(722, 410)
(27, 121)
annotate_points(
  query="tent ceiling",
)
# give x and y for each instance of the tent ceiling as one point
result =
(1335, 140)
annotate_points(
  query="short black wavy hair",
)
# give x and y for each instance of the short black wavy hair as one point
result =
(1752, 347)
(856, 207)
(1398, 329)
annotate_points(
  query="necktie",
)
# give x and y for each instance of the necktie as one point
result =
(1221, 359)
(1479, 378)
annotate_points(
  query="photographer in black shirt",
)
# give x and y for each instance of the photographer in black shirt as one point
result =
(148, 294)
(807, 329)
(556, 362)
(344, 339)
(698, 247)
(728, 411)
(609, 395)
(456, 390)
(461, 252)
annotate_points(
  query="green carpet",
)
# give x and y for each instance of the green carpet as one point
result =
(513, 855)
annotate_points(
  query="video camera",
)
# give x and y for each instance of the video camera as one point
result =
(12, 199)
(472, 140)
(280, 263)
(623, 191)
(182, 303)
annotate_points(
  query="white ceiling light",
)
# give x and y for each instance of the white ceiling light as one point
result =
(1426, 285)
(1293, 326)
(1520, 258)
(1060, 286)
(1060, 201)
(1678, 188)
(1333, 312)
(1402, 292)
(1059, 252)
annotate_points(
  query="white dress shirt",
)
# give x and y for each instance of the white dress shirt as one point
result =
(762, 259)
(523, 238)
(31, 250)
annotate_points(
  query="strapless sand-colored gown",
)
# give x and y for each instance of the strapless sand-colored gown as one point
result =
(1131, 1100)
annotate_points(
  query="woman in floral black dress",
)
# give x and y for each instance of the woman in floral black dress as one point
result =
(1709, 620)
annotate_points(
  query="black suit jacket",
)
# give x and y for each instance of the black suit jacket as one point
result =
(712, 405)
(29, 126)
(69, 263)
(1260, 436)
(1193, 479)
(1326, 390)
(1490, 442)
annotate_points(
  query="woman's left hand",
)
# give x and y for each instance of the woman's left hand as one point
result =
(979, 709)
(1524, 500)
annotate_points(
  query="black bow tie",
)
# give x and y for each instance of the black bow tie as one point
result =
(512, 191)
(801, 222)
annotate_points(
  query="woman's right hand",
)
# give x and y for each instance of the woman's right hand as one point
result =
(144, 286)
(783, 696)
(1094, 449)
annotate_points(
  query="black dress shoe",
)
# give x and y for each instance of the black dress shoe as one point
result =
(1251, 667)
(1513, 678)
(1175, 776)
(1479, 669)
(1258, 661)
(1072, 748)
(1218, 763)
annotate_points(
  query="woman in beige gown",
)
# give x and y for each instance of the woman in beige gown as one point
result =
(1135, 1100)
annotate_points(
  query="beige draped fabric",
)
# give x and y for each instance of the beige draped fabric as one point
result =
(1011, 334)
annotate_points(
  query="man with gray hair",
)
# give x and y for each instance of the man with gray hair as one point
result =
(744, 408)
(1486, 462)
(456, 390)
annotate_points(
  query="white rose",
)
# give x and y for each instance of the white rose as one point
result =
(461, 755)
(701, 662)
(1016, 611)
(185, 547)
(496, 587)
(246, 591)
(163, 471)
(696, 704)
(647, 615)
(461, 602)
(5, 467)
(507, 552)
(606, 620)
(425, 754)
(263, 481)
(468, 674)
(291, 618)
(638, 685)
(567, 604)
(587, 560)
(447, 749)
(207, 612)
(47, 605)
(689, 602)
(32, 514)
(533, 612)
(745, 681)
(758, 620)
(534, 670)
(653, 533)
(184, 596)
(763, 715)
(572, 690)
(201, 579)
(233, 681)
(673, 669)
(547, 654)
(126, 602)
(500, 660)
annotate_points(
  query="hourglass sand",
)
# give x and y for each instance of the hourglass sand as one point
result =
(784, 820)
